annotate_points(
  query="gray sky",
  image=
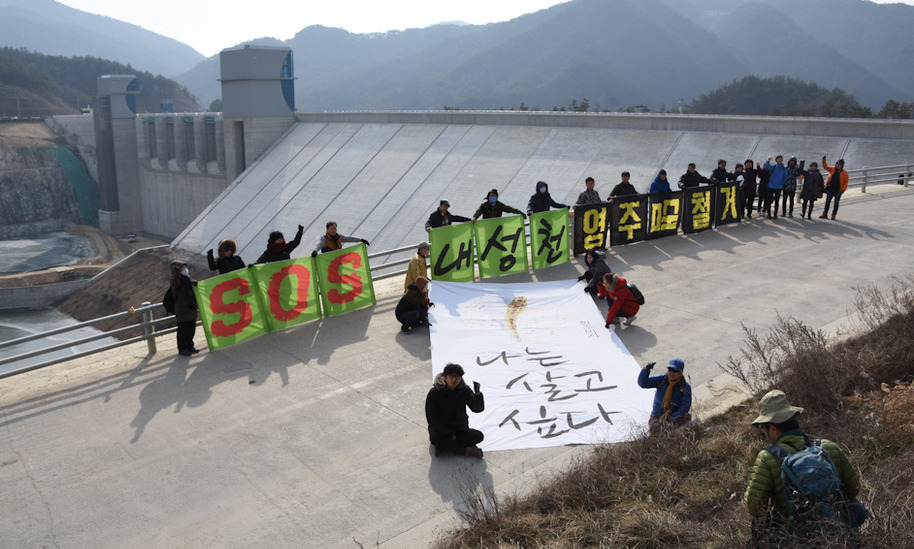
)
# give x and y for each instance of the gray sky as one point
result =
(211, 25)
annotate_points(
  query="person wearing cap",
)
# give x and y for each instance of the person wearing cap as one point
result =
(777, 421)
(185, 307)
(333, 240)
(588, 196)
(596, 268)
(277, 247)
(417, 266)
(492, 207)
(835, 186)
(660, 184)
(445, 410)
(412, 309)
(673, 398)
(441, 217)
(541, 200)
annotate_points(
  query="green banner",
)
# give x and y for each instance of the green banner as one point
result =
(501, 245)
(289, 292)
(451, 252)
(230, 308)
(549, 238)
(345, 280)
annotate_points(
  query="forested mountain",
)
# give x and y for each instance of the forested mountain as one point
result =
(34, 84)
(50, 27)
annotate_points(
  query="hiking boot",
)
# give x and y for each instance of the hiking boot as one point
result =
(474, 451)
(185, 352)
(823, 216)
(628, 321)
(833, 216)
(405, 328)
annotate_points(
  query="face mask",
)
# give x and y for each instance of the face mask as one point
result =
(542, 189)
(493, 200)
(185, 272)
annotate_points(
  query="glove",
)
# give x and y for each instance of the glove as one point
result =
(649, 365)
(301, 228)
(476, 387)
(580, 278)
(523, 215)
(314, 254)
(210, 252)
(365, 242)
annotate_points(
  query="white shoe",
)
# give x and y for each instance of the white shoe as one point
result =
(629, 320)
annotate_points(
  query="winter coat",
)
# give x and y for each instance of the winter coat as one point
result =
(438, 219)
(765, 490)
(541, 202)
(749, 181)
(328, 243)
(660, 186)
(622, 298)
(590, 196)
(225, 264)
(270, 256)
(446, 409)
(790, 184)
(778, 175)
(721, 175)
(813, 186)
(412, 300)
(842, 177)
(623, 189)
(488, 211)
(183, 291)
(682, 394)
(417, 267)
(597, 268)
(692, 179)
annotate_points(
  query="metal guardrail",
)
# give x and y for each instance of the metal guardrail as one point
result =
(899, 173)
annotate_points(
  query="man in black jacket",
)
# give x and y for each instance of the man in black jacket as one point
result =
(445, 409)
(441, 217)
(692, 178)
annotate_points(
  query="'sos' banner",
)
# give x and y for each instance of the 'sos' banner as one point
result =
(551, 374)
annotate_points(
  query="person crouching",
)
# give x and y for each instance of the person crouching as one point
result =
(622, 302)
(412, 310)
(445, 410)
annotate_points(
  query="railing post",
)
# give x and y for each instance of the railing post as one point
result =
(865, 175)
(149, 331)
(907, 177)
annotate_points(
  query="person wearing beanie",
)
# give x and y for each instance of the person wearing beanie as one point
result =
(332, 240)
(541, 200)
(412, 309)
(417, 266)
(777, 422)
(492, 207)
(277, 247)
(621, 299)
(660, 184)
(445, 410)
(673, 398)
(441, 217)
(185, 307)
(835, 186)
(227, 261)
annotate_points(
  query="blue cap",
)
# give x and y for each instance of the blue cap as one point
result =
(676, 364)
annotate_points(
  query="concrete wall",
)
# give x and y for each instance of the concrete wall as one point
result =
(79, 131)
(31, 297)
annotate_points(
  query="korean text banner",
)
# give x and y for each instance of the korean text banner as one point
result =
(697, 208)
(501, 245)
(590, 224)
(664, 208)
(451, 252)
(549, 238)
(629, 219)
(230, 308)
(727, 208)
(345, 280)
(551, 374)
(289, 292)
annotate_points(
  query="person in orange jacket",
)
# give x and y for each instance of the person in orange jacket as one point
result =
(835, 186)
(622, 302)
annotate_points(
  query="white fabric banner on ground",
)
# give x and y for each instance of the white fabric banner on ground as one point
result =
(551, 373)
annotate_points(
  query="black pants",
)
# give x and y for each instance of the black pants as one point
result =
(810, 202)
(185, 335)
(412, 317)
(749, 204)
(829, 194)
(774, 196)
(788, 196)
(458, 442)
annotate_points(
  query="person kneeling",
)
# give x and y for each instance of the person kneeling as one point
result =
(445, 410)
(622, 301)
(673, 399)
(412, 310)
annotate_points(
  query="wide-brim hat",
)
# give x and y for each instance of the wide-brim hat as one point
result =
(774, 408)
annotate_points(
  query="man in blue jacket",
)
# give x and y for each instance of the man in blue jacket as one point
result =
(775, 183)
(673, 398)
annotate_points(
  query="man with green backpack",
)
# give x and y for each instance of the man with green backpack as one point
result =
(799, 486)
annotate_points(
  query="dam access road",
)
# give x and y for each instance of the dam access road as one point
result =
(316, 437)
